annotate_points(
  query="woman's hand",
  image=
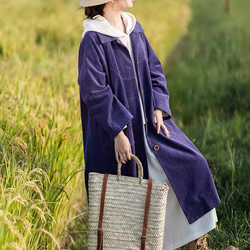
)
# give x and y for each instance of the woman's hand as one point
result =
(158, 120)
(122, 148)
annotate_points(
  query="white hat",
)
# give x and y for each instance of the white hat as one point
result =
(88, 3)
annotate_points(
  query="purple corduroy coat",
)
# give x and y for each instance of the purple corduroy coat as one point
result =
(109, 100)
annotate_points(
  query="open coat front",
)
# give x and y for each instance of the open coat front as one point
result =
(110, 100)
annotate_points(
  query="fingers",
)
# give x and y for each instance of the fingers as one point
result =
(122, 148)
(155, 119)
(123, 157)
(160, 125)
(117, 156)
(165, 130)
(129, 154)
(159, 122)
(123, 152)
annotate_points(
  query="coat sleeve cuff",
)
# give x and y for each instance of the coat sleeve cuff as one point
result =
(122, 124)
(165, 115)
(161, 101)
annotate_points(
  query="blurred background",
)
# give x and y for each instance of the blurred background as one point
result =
(205, 52)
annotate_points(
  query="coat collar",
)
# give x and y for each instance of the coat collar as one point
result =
(106, 39)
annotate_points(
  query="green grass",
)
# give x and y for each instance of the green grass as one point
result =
(162, 23)
(208, 78)
(43, 201)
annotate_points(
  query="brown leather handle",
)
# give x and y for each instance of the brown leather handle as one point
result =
(139, 167)
(145, 223)
(100, 230)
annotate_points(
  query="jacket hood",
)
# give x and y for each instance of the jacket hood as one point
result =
(101, 25)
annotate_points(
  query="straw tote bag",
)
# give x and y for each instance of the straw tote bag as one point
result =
(126, 212)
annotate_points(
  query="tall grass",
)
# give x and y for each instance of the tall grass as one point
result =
(208, 78)
(42, 202)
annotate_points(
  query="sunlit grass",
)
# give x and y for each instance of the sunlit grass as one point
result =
(164, 22)
(208, 79)
(43, 201)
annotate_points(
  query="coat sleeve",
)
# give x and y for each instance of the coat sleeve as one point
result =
(96, 93)
(159, 84)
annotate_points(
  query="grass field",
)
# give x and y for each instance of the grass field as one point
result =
(209, 81)
(42, 202)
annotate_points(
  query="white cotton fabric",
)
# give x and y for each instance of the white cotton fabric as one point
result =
(101, 25)
(178, 231)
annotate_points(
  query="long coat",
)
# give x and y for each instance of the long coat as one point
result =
(109, 100)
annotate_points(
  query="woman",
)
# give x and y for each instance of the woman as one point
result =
(125, 108)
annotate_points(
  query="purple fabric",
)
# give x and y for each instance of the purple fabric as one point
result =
(109, 100)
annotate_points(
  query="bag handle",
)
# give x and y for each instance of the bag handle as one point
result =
(139, 167)
(146, 214)
(101, 213)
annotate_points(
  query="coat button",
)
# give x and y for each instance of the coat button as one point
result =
(156, 147)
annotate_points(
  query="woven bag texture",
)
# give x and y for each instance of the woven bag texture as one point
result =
(124, 212)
